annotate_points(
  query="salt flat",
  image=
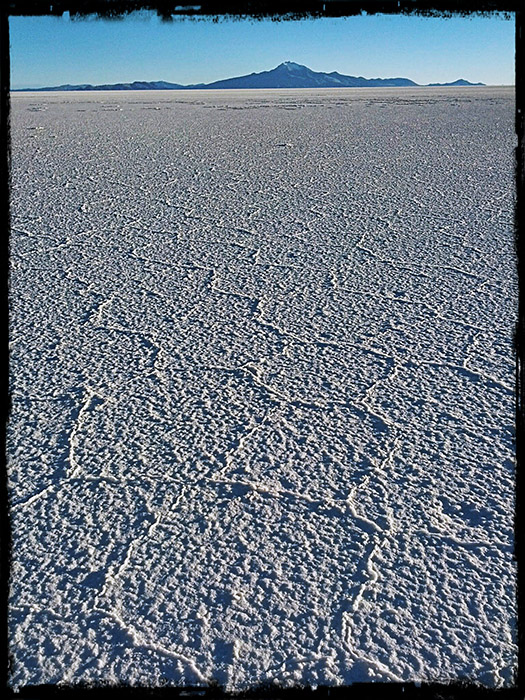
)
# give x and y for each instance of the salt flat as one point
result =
(262, 375)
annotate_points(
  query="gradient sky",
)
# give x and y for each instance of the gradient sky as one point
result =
(48, 51)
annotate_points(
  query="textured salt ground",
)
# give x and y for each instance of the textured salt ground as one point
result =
(262, 378)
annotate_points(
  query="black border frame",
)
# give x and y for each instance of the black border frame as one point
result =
(285, 10)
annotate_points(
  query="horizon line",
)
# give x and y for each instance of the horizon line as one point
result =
(105, 85)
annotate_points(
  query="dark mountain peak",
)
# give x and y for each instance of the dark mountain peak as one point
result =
(291, 67)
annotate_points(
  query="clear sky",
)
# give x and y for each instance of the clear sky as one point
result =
(48, 51)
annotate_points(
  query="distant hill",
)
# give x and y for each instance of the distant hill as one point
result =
(457, 83)
(137, 85)
(285, 75)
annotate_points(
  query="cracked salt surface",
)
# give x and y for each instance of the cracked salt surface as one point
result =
(262, 377)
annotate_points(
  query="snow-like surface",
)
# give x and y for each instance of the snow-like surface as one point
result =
(262, 378)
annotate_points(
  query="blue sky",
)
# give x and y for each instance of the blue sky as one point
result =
(48, 51)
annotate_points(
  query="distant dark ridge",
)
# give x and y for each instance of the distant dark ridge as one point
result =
(285, 75)
(459, 83)
(137, 85)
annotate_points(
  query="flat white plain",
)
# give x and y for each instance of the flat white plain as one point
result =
(262, 376)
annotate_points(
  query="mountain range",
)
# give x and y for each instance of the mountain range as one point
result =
(285, 75)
